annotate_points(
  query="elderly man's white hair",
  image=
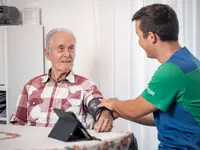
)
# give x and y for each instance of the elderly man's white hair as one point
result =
(54, 31)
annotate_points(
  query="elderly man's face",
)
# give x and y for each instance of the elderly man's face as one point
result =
(61, 52)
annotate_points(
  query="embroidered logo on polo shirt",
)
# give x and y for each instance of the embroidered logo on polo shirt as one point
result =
(152, 93)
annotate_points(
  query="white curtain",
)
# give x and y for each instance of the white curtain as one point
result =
(123, 69)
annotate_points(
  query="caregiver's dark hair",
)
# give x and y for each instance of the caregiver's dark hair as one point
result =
(160, 19)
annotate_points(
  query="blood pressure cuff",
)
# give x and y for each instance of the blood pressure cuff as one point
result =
(94, 110)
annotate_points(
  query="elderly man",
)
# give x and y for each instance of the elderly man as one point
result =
(61, 88)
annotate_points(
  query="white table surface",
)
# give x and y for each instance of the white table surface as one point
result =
(36, 138)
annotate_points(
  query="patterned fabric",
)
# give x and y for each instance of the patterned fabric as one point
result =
(41, 94)
(127, 142)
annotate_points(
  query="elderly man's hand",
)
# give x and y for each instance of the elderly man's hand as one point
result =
(104, 124)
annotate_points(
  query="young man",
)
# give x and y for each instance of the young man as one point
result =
(171, 100)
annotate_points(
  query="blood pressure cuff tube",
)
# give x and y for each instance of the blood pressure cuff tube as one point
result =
(94, 110)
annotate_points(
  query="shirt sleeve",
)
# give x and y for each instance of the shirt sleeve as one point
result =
(20, 116)
(91, 92)
(165, 86)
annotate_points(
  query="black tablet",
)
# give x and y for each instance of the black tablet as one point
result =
(69, 128)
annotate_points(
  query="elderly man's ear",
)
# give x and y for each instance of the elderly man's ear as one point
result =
(46, 52)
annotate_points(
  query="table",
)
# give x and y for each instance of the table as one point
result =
(13, 137)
